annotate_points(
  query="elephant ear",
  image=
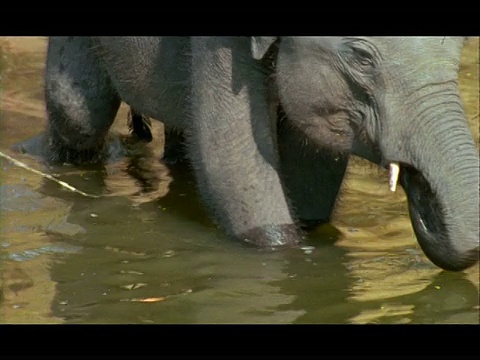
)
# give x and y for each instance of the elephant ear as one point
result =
(260, 45)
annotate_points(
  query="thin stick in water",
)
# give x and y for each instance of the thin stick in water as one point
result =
(49, 177)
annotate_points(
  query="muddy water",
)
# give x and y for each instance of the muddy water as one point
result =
(145, 251)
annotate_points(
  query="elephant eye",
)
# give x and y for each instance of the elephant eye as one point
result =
(363, 56)
(363, 53)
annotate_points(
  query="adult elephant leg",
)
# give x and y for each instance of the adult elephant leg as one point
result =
(312, 178)
(80, 99)
(231, 146)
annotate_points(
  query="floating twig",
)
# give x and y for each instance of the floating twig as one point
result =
(47, 176)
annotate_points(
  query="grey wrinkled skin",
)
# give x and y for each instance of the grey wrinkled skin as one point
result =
(269, 123)
(210, 88)
(392, 99)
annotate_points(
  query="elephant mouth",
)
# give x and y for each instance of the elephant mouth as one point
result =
(429, 221)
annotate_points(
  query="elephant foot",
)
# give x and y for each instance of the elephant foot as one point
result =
(58, 152)
(272, 236)
(106, 149)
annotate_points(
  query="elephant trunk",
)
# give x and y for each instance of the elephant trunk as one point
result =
(439, 170)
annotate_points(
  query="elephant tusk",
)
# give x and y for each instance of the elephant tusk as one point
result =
(393, 176)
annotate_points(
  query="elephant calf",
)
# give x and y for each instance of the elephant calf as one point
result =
(269, 124)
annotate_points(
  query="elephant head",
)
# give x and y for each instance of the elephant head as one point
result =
(396, 102)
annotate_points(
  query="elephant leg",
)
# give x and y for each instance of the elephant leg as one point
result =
(312, 178)
(231, 146)
(174, 150)
(80, 99)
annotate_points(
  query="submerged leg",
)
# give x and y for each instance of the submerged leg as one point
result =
(312, 178)
(231, 144)
(80, 99)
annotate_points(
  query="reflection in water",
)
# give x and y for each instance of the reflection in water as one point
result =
(216, 288)
(445, 298)
(26, 249)
(146, 252)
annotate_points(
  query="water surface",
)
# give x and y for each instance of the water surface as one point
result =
(145, 251)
